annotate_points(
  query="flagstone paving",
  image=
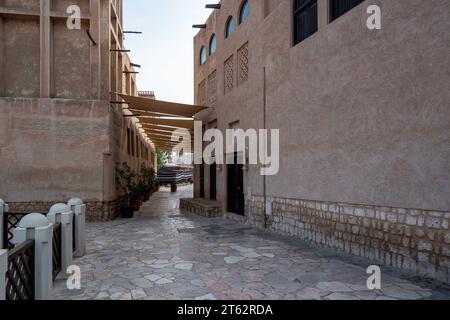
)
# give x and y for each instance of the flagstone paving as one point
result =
(167, 254)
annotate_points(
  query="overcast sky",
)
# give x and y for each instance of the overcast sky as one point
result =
(165, 49)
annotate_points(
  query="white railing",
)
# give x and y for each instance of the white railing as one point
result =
(39, 228)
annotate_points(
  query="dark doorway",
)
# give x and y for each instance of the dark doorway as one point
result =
(202, 180)
(213, 181)
(235, 175)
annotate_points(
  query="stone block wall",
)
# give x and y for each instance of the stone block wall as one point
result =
(95, 210)
(413, 240)
(201, 208)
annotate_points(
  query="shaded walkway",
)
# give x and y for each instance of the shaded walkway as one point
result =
(166, 254)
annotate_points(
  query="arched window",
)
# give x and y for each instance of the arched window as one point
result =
(244, 12)
(230, 27)
(203, 55)
(212, 44)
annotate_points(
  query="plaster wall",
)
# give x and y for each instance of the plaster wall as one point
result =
(363, 115)
(51, 150)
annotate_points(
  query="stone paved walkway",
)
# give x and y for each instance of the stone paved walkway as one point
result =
(165, 254)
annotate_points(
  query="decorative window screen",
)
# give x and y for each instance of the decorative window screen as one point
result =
(229, 74)
(202, 92)
(212, 87)
(243, 64)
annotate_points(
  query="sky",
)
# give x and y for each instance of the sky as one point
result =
(165, 49)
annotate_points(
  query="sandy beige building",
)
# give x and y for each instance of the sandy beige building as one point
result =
(60, 136)
(364, 118)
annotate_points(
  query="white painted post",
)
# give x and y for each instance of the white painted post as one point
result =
(79, 210)
(61, 213)
(3, 269)
(36, 226)
(2, 212)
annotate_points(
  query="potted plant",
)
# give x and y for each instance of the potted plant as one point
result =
(125, 187)
(156, 185)
(137, 197)
(148, 178)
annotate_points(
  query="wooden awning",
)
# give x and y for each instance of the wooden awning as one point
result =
(161, 107)
(159, 119)
(159, 129)
(165, 122)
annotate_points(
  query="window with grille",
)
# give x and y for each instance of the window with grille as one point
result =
(243, 64)
(305, 19)
(212, 87)
(202, 92)
(339, 7)
(229, 74)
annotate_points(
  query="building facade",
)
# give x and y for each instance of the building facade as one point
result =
(60, 137)
(363, 117)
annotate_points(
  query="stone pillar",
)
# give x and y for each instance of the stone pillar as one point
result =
(79, 210)
(36, 226)
(3, 209)
(61, 213)
(323, 14)
(45, 49)
(3, 270)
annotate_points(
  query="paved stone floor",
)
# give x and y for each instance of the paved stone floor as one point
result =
(166, 254)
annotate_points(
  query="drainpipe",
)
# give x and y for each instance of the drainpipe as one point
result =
(264, 127)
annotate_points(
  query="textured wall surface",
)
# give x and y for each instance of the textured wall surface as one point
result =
(52, 149)
(363, 115)
(363, 118)
(413, 240)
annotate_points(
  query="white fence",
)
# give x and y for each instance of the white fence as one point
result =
(39, 229)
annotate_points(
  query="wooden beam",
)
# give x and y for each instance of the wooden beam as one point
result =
(165, 135)
(152, 127)
(187, 124)
(167, 141)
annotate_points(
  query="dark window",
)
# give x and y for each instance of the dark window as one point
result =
(212, 44)
(245, 12)
(230, 27)
(305, 19)
(339, 7)
(203, 55)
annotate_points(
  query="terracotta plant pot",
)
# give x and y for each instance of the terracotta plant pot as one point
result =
(126, 212)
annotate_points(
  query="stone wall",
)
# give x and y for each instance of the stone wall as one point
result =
(95, 210)
(413, 240)
(201, 207)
